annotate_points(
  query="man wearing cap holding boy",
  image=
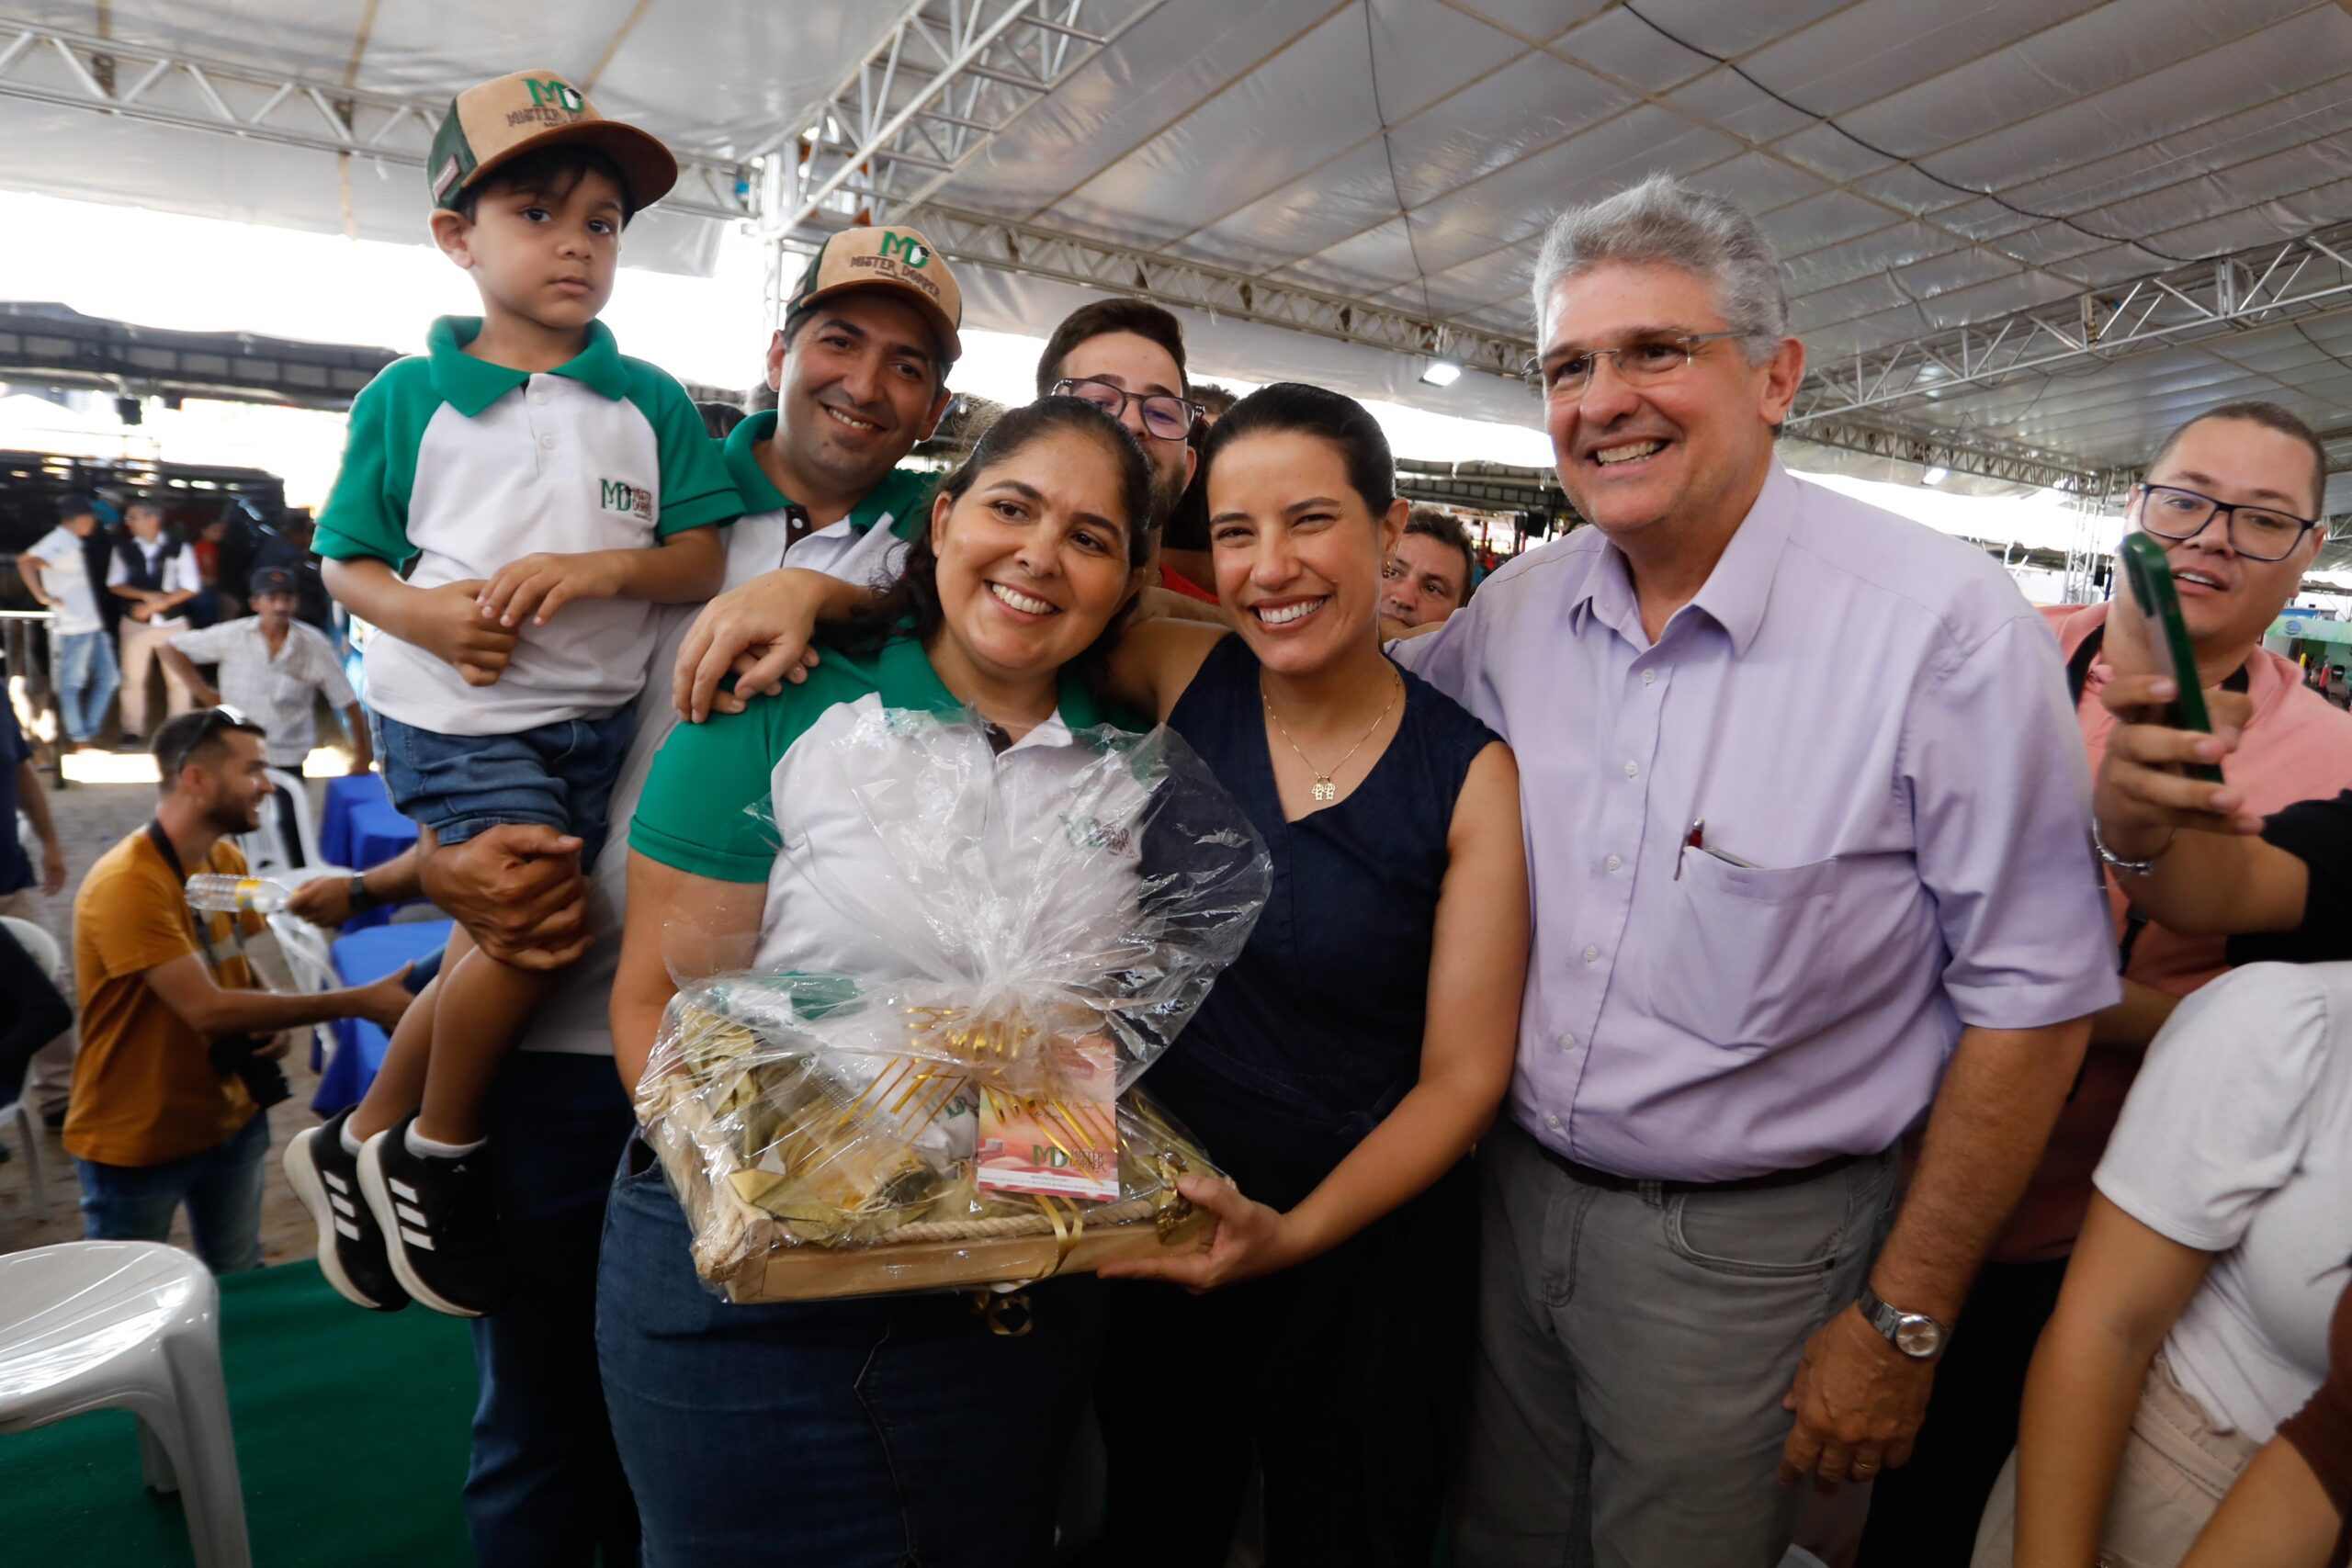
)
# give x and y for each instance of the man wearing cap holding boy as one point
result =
(859, 370)
(859, 366)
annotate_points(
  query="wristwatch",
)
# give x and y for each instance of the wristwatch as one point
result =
(362, 900)
(1915, 1334)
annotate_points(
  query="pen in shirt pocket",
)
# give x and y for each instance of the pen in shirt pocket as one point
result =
(1696, 838)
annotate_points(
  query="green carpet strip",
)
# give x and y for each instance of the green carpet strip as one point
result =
(352, 1432)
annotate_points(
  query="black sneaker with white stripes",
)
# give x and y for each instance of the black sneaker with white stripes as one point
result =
(440, 1223)
(351, 1248)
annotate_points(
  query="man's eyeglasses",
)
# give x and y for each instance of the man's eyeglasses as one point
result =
(1641, 362)
(1165, 415)
(2257, 532)
(215, 718)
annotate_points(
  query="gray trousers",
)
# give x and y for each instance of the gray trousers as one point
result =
(1634, 1348)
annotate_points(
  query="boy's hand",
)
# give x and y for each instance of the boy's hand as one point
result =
(538, 585)
(447, 623)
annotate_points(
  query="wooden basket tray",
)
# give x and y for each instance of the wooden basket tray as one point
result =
(749, 1253)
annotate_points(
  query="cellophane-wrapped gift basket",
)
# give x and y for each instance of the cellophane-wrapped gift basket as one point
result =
(959, 1107)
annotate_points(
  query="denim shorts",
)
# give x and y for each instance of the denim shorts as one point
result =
(558, 775)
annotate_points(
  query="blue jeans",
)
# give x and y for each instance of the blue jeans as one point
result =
(559, 776)
(871, 1433)
(87, 679)
(221, 1188)
(544, 1489)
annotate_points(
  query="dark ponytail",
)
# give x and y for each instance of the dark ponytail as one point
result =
(1293, 407)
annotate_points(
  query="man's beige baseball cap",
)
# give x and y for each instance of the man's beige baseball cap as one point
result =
(897, 259)
(499, 122)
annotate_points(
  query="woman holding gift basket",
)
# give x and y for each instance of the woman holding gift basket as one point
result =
(894, 947)
(1344, 1064)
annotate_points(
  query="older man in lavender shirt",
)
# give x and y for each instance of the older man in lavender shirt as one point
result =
(1806, 815)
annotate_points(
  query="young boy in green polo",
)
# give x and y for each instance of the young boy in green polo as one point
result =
(511, 504)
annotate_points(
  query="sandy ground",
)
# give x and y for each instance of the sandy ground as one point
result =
(90, 817)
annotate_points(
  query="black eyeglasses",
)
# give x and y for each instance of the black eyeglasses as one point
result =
(1165, 415)
(215, 718)
(2257, 532)
(1642, 361)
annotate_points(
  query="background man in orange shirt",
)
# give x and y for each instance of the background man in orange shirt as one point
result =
(160, 1113)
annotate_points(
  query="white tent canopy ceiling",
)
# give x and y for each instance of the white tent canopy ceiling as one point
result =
(2024, 237)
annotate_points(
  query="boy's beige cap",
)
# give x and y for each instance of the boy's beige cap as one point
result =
(898, 259)
(499, 122)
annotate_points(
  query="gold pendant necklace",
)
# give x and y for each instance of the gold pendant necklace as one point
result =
(1324, 789)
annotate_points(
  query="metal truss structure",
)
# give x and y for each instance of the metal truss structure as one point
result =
(1971, 453)
(999, 242)
(1486, 487)
(167, 88)
(2303, 278)
(51, 346)
(949, 76)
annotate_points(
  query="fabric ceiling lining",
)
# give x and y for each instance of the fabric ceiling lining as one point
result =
(1922, 164)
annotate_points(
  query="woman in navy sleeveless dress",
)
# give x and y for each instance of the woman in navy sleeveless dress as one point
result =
(1343, 1066)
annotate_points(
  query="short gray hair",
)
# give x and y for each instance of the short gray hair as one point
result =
(1664, 221)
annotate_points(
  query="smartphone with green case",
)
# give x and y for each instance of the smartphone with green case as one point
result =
(2149, 577)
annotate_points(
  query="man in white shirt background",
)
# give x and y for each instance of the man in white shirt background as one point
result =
(156, 574)
(57, 572)
(273, 669)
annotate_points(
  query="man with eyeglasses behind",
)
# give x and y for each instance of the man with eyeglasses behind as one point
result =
(2232, 495)
(160, 1113)
(1805, 822)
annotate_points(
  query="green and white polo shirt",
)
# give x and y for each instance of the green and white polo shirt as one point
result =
(864, 547)
(725, 795)
(456, 466)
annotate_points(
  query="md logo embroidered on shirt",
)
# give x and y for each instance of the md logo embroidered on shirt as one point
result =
(617, 495)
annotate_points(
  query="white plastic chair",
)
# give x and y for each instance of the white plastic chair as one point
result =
(41, 948)
(129, 1325)
(265, 848)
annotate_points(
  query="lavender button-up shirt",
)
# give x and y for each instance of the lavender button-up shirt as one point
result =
(1870, 715)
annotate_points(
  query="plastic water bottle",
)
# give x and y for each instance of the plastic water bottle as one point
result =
(216, 894)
